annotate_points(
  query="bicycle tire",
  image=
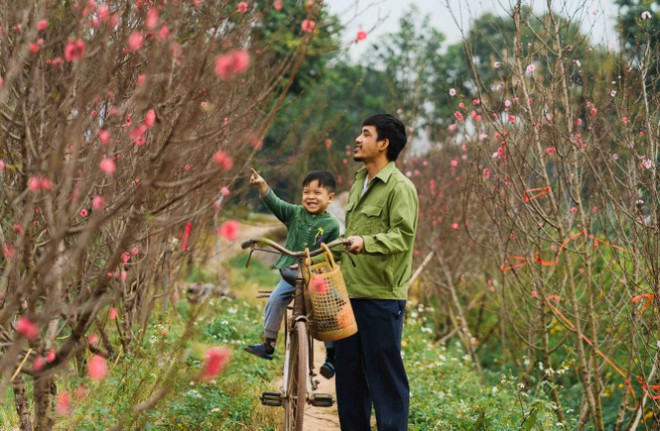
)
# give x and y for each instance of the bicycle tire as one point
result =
(296, 385)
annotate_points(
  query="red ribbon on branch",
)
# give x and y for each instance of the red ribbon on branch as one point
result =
(540, 260)
(649, 298)
(528, 196)
(186, 234)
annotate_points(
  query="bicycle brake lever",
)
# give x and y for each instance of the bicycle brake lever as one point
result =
(247, 262)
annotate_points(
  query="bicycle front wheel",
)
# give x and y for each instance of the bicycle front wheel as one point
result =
(296, 384)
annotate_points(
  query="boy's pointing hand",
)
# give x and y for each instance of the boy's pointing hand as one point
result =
(258, 181)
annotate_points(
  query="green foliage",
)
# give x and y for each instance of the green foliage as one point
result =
(224, 403)
(259, 273)
(315, 128)
(448, 394)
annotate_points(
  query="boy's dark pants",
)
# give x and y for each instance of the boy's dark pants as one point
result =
(370, 369)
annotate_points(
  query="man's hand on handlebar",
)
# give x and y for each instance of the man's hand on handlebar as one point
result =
(357, 244)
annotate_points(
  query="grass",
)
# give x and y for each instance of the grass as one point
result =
(448, 394)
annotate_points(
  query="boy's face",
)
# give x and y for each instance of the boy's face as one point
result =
(315, 198)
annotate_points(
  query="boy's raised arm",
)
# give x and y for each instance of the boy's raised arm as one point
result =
(283, 210)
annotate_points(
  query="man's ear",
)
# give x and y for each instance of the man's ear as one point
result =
(331, 196)
(382, 145)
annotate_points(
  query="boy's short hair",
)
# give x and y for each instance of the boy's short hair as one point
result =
(389, 127)
(324, 178)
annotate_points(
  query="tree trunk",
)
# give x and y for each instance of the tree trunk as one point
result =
(44, 390)
(21, 404)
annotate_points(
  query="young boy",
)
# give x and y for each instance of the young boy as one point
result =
(308, 225)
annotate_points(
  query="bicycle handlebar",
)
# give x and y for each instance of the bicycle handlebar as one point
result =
(297, 254)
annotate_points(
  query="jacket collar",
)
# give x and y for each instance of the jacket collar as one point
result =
(384, 174)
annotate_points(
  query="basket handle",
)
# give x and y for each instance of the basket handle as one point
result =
(327, 254)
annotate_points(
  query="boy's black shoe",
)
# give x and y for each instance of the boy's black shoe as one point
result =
(328, 369)
(264, 350)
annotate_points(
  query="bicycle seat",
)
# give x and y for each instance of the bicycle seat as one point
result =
(291, 275)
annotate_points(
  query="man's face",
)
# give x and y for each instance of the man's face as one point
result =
(367, 145)
(315, 198)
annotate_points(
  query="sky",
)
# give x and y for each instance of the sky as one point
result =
(378, 17)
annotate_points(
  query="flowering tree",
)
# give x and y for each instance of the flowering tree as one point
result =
(124, 124)
(542, 211)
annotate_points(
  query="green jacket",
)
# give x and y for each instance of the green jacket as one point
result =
(386, 218)
(304, 230)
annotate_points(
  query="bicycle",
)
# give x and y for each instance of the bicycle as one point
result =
(298, 373)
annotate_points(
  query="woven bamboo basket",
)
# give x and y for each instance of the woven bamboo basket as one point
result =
(332, 312)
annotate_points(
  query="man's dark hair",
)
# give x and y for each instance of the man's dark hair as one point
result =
(389, 127)
(324, 178)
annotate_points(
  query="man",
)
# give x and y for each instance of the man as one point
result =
(381, 221)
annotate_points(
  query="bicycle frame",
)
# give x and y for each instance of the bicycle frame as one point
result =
(299, 352)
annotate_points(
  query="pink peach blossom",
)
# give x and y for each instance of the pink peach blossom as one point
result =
(242, 7)
(39, 362)
(46, 183)
(229, 230)
(223, 159)
(163, 32)
(107, 165)
(42, 25)
(28, 328)
(104, 136)
(232, 63)
(34, 184)
(277, 4)
(215, 360)
(63, 403)
(135, 41)
(308, 25)
(103, 10)
(150, 118)
(152, 19)
(74, 50)
(98, 203)
(97, 368)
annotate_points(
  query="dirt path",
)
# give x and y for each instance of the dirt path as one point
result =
(321, 418)
(318, 418)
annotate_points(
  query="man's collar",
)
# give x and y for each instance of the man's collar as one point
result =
(383, 175)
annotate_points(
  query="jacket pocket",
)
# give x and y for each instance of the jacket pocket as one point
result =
(371, 217)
